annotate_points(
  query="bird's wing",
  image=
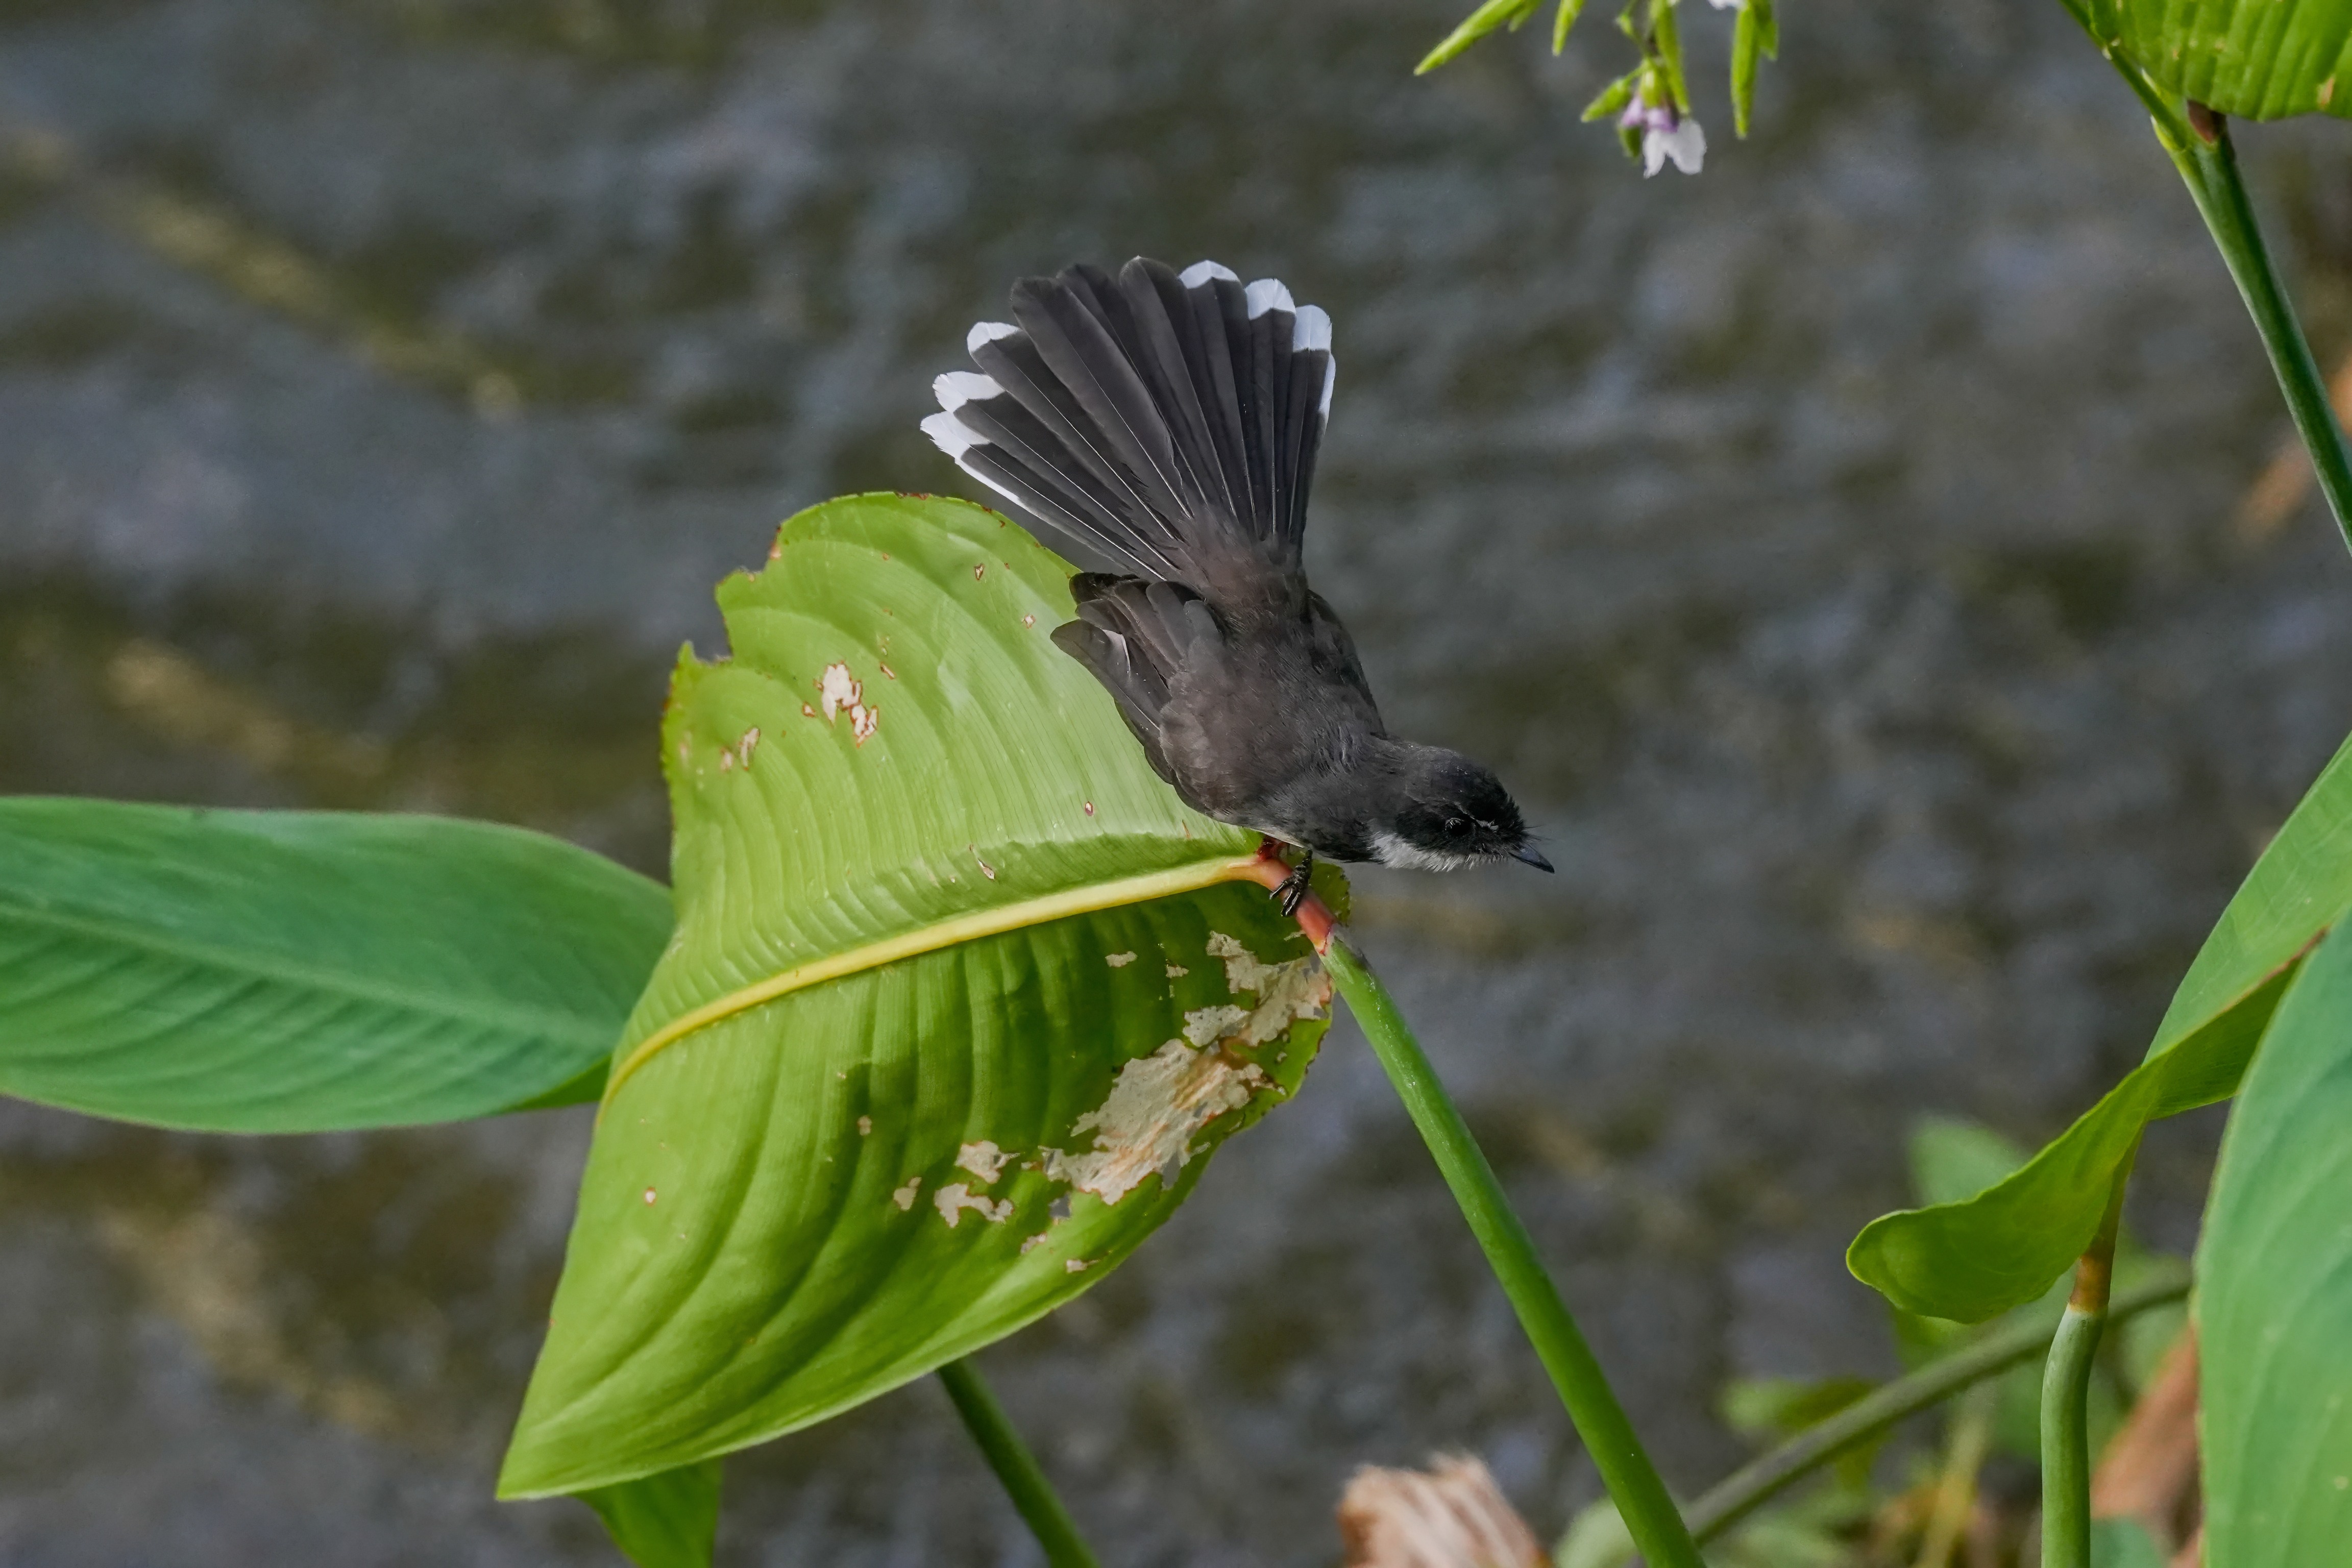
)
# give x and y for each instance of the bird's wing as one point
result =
(1136, 638)
(1340, 673)
(1161, 425)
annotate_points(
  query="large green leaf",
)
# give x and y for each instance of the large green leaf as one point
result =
(2274, 1290)
(961, 993)
(284, 972)
(2002, 1247)
(2262, 59)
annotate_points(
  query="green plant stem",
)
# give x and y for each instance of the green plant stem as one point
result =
(1016, 1467)
(1650, 1515)
(1765, 1477)
(2209, 164)
(2199, 143)
(2065, 1390)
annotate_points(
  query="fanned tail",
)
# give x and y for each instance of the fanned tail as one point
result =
(1154, 424)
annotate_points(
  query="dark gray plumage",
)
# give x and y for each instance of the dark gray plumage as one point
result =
(1163, 430)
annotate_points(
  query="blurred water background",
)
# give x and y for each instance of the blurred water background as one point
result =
(1836, 552)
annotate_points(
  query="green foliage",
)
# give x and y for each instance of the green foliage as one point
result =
(669, 1520)
(1493, 14)
(1775, 1409)
(1036, 999)
(2124, 1543)
(1651, 25)
(2258, 60)
(1972, 1259)
(1755, 34)
(293, 972)
(2274, 1288)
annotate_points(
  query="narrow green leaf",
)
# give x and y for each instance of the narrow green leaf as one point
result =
(962, 998)
(287, 972)
(1973, 1260)
(1562, 20)
(1614, 97)
(2273, 1302)
(669, 1520)
(2258, 60)
(1747, 37)
(1667, 38)
(1768, 28)
(1486, 20)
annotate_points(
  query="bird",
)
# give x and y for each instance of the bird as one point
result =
(1160, 429)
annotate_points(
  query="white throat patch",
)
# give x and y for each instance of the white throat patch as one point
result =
(1394, 851)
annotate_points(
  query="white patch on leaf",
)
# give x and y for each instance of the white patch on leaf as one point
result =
(1285, 992)
(1207, 1026)
(836, 689)
(1146, 1124)
(840, 692)
(1118, 960)
(983, 1160)
(955, 1198)
(1158, 1102)
(905, 1197)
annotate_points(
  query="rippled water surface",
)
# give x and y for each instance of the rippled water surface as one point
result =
(1836, 552)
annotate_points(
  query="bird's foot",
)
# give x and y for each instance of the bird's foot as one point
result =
(1292, 891)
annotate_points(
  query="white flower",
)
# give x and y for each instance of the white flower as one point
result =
(1681, 140)
(1729, 4)
(1664, 134)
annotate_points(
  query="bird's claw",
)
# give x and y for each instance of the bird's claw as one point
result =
(1294, 890)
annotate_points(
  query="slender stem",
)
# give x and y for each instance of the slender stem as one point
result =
(2209, 164)
(2199, 143)
(1650, 1515)
(2065, 1390)
(2012, 1344)
(1016, 1467)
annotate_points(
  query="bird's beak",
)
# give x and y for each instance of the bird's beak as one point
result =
(1527, 852)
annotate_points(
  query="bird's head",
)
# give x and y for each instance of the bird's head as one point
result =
(1450, 813)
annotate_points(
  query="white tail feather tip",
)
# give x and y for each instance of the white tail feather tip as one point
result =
(985, 332)
(1311, 330)
(1268, 294)
(1200, 272)
(950, 436)
(955, 388)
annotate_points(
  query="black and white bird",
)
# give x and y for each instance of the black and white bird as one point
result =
(1161, 428)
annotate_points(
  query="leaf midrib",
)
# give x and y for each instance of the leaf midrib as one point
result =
(994, 919)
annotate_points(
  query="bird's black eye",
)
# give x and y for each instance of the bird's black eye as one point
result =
(1452, 824)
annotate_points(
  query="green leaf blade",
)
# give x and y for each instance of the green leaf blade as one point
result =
(2258, 60)
(961, 1000)
(279, 971)
(2274, 1288)
(1973, 1260)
